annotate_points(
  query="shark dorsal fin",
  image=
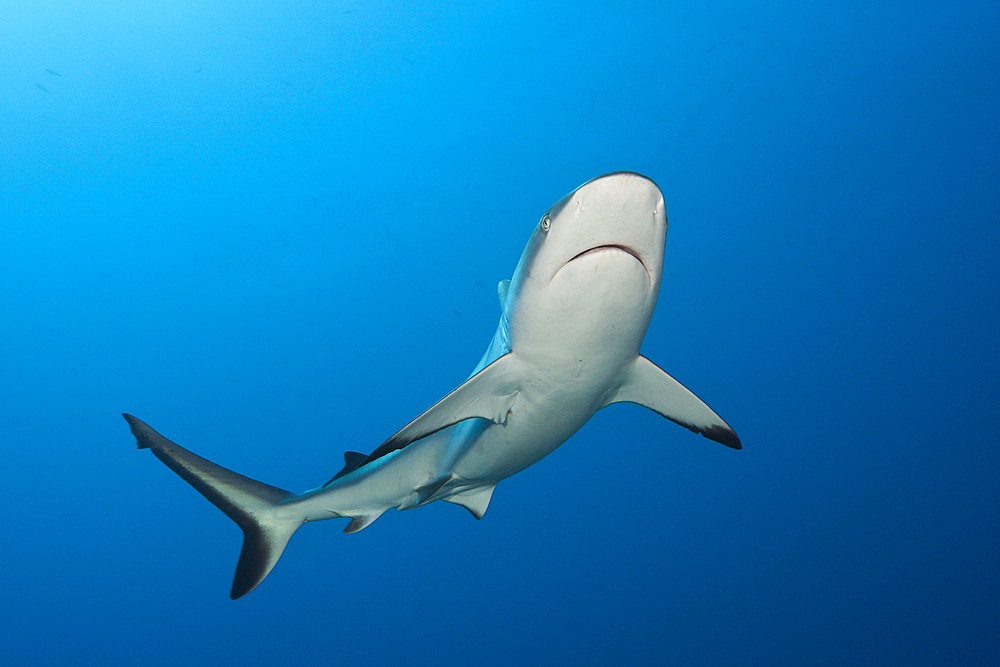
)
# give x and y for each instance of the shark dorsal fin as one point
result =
(502, 287)
(352, 461)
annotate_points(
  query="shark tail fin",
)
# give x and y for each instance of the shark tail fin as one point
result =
(251, 504)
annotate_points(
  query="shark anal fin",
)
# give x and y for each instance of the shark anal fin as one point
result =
(475, 499)
(359, 522)
(648, 385)
(489, 394)
(251, 504)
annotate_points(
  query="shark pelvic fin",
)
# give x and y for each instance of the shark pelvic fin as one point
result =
(425, 494)
(646, 384)
(489, 394)
(251, 504)
(475, 499)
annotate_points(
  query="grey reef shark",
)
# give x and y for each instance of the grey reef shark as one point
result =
(572, 319)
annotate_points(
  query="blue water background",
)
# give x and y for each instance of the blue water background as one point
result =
(274, 231)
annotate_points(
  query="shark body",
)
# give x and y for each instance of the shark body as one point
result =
(573, 318)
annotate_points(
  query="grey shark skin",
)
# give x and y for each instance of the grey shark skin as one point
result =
(573, 317)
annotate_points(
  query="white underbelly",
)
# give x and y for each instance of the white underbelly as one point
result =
(542, 419)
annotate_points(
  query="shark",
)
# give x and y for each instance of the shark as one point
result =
(573, 317)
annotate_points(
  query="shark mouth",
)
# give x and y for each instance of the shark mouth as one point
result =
(610, 246)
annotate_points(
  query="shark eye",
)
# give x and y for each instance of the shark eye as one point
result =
(545, 222)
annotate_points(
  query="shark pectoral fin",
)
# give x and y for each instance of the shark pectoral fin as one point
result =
(476, 499)
(251, 504)
(489, 394)
(648, 385)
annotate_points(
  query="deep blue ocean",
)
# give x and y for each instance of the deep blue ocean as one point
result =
(274, 232)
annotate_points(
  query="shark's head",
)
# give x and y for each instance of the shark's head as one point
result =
(590, 274)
